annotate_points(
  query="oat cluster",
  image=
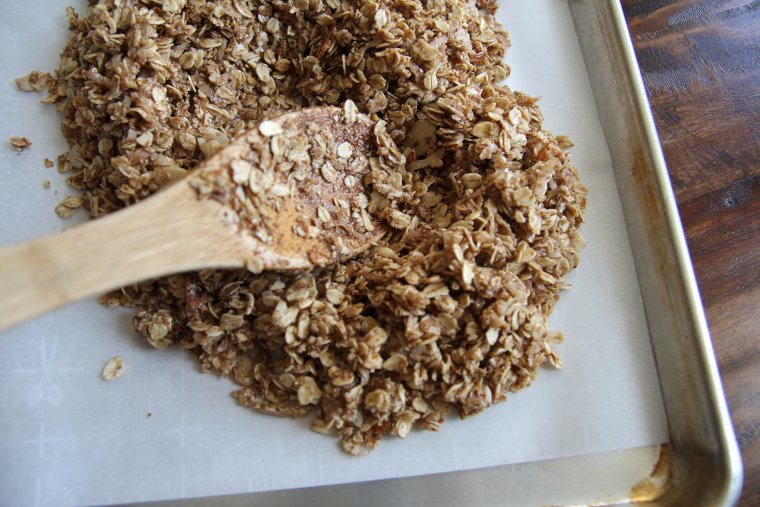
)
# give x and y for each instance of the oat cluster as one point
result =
(450, 310)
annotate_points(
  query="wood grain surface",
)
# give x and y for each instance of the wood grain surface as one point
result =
(700, 60)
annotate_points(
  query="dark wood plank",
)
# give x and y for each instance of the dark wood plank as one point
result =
(700, 64)
(700, 60)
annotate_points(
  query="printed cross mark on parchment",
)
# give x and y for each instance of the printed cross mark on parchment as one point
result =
(45, 389)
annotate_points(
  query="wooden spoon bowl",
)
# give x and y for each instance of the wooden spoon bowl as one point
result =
(288, 194)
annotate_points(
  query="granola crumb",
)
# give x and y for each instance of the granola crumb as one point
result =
(112, 369)
(49, 163)
(20, 143)
(69, 206)
(35, 81)
(46, 184)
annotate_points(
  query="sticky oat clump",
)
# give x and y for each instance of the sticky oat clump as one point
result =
(483, 207)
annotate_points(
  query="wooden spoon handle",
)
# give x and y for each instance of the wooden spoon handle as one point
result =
(165, 234)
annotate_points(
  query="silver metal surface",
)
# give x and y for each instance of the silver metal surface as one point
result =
(702, 464)
(706, 466)
(572, 481)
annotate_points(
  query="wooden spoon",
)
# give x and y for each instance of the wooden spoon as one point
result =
(286, 195)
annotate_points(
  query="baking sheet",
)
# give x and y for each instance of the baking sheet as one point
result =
(68, 437)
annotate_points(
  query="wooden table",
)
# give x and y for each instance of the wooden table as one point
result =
(701, 64)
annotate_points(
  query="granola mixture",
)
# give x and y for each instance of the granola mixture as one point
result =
(450, 310)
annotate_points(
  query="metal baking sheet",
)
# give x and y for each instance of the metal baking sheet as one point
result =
(706, 464)
(702, 456)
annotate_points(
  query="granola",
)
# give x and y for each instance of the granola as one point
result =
(113, 369)
(67, 207)
(268, 180)
(19, 143)
(35, 81)
(482, 204)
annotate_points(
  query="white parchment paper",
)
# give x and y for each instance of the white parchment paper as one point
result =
(67, 437)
